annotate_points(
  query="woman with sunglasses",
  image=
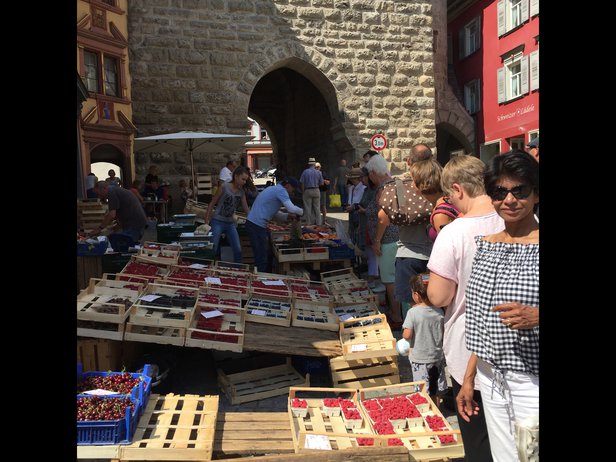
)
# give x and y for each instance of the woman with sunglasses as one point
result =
(502, 308)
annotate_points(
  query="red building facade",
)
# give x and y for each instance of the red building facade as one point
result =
(495, 57)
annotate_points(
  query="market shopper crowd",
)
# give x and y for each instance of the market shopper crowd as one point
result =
(463, 286)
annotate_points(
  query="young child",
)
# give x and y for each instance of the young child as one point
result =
(423, 328)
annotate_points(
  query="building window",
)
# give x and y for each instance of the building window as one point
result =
(102, 74)
(488, 150)
(511, 14)
(471, 96)
(111, 76)
(470, 37)
(516, 143)
(512, 78)
(532, 135)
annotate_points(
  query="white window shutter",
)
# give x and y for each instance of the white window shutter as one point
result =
(534, 7)
(534, 70)
(501, 89)
(524, 74)
(502, 22)
(462, 42)
(524, 10)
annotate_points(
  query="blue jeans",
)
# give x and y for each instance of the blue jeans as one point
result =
(230, 230)
(259, 241)
(342, 190)
(406, 268)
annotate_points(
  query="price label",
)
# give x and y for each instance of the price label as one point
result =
(258, 312)
(359, 347)
(274, 282)
(210, 280)
(317, 442)
(100, 392)
(211, 314)
(150, 298)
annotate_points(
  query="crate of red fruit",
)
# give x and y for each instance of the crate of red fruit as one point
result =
(299, 407)
(149, 271)
(106, 420)
(229, 280)
(218, 327)
(124, 384)
(420, 401)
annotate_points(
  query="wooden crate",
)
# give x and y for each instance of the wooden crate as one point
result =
(362, 373)
(367, 341)
(93, 303)
(233, 319)
(198, 208)
(159, 253)
(238, 281)
(260, 383)
(283, 253)
(269, 310)
(421, 442)
(313, 317)
(158, 271)
(338, 275)
(88, 267)
(98, 329)
(311, 292)
(346, 311)
(153, 334)
(232, 266)
(317, 422)
(174, 427)
(316, 253)
(90, 213)
(99, 354)
(154, 314)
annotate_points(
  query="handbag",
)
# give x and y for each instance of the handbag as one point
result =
(334, 200)
(403, 204)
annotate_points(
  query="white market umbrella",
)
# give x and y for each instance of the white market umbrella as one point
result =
(192, 142)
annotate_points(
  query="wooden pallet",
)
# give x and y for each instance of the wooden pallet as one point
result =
(90, 213)
(368, 341)
(249, 433)
(88, 267)
(362, 373)
(315, 423)
(153, 334)
(174, 427)
(99, 354)
(260, 383)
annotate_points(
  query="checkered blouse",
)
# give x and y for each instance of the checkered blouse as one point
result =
(502, 272)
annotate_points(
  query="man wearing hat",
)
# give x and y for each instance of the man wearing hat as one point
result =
(265, 207)
(310, 180)
(533, 148)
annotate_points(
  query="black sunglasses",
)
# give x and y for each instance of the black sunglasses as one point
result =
(521, 191)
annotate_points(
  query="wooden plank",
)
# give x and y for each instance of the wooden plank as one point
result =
(364, 454)
(243, 433)
(304, 342)
(99, 354)
(364, 372)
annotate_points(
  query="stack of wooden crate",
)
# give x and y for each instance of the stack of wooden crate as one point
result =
(90, 213)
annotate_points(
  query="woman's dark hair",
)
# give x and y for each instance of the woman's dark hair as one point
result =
(515, 164)
(419, 284)
(370, 153)
(366, 173)
(240, 171)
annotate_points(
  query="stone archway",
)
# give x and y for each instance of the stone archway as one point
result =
(113, 155)
(299, 111)
(297, 105)
(448, 139)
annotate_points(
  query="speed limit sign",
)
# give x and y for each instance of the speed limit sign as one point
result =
(378, 142)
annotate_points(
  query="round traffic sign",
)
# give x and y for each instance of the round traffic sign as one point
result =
(378, 142)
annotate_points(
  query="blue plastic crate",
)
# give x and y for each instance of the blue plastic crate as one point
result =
(341, 251)
(87, 249)
(141, 393)
(91, 432)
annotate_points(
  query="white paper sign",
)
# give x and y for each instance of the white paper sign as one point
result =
(323, 234)
(197, 265)
(210, 280)
(346, 317)
(317, 442)
(258, 312)
(275, 282)
(100, 392)
(359, 347)
(150, 298)
(211, 314)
